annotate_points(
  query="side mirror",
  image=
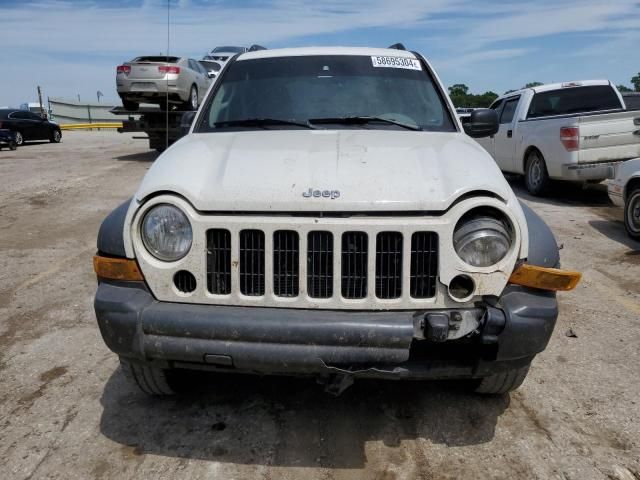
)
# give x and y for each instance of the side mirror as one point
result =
(185, 122)
(211, 74)
(482, 123)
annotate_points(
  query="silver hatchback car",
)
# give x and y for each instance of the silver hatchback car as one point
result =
(162, 80)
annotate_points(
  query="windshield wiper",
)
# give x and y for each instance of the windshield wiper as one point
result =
(261, 122)
(356, 120)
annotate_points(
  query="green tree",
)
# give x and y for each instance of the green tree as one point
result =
(636, 82)
(623, 88)
(533, 84)
(459, 94)
(461, 97)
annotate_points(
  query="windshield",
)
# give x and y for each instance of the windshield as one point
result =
(228, 50)
(328, 90)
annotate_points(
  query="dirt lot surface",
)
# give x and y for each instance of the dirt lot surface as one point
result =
(66, 411)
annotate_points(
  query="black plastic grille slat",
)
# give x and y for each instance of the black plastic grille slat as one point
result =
(424, 264)
(286, 259)
(320, 264)
(354, 264)
(252, 262)
(219, 261)
(388, 265)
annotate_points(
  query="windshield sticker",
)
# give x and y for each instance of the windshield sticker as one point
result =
(396, 62)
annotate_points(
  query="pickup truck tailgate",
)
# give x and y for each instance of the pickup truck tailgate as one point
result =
(607, 137)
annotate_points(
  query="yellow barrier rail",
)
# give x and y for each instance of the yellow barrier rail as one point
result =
(87, 126)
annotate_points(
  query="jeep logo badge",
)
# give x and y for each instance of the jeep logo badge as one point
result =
(332, 194)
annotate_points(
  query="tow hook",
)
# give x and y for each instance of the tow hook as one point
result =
(494, 322)
(336, 383)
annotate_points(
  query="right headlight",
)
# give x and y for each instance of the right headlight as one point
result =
(166, 232)
(482, 237)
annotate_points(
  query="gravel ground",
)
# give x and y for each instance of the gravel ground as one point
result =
(66, 411)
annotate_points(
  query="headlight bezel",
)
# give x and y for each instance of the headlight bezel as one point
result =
(483, 223)
(150, 249)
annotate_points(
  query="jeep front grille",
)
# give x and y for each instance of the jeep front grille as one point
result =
(219, 261)
(424, 264)
(389, 265)
(354, 264)
(286, 254)
(272, 263)
(320, 264)
(252, 262)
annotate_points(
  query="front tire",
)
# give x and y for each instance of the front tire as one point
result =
(632, 213)
(149, 379)
(13, 145)
(56, 136)
(536, 177)
(503, 382)
(19, 139)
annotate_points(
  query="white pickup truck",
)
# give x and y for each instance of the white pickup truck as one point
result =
(566, 131)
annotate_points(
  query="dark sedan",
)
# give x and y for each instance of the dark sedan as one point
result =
(27, 126)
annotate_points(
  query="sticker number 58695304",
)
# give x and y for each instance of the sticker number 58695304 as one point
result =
(396, 62)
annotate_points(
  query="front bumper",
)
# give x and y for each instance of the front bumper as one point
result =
(260, 340)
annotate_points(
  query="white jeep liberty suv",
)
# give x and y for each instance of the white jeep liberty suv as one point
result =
(327, 215)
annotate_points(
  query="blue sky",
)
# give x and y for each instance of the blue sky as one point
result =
(72, 47)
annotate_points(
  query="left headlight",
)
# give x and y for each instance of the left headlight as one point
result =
(166, 233)
(482, 239)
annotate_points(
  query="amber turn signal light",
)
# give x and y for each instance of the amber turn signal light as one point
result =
(117, 268)
(545, 278)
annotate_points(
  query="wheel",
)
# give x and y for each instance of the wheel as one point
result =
(536, 177)
(151, 380)
(55, 136)
(192, 103)
(13, 145)
(131, 106)
(502, 382)
(632, 213)
(19, 139)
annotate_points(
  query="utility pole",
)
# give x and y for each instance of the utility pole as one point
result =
(42, 114)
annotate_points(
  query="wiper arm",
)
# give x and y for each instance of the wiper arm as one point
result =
(261, 122)
(364, 119)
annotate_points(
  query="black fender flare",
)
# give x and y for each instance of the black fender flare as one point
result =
(111, 233)
(543, 248)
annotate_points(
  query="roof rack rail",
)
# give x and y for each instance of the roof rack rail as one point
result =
(255, 48)
(397, 46)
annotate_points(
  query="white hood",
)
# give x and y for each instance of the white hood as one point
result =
(373, 170)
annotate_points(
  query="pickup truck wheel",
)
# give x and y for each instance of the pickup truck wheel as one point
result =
(19, 139)
(151, 380)
(130, 106)
(632, 213)
(536, 177)
(503, 382)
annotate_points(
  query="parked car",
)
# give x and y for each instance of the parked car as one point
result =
(27, 125)
(327, 216)
(7, 139)
(163, 81)
(624, 191)
(223, 54)
(211, 66)
(567, 131)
